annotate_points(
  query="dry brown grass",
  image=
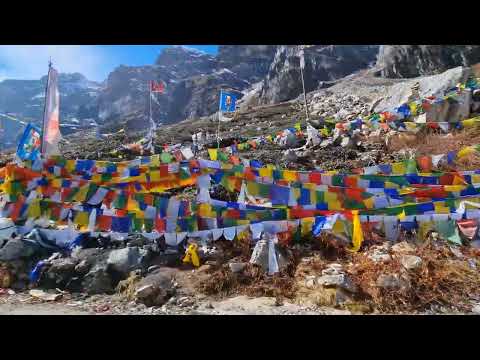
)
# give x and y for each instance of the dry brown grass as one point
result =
(440, 280)
(468, 162)
(252, 282)
(428, 142)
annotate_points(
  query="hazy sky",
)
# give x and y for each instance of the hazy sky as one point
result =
(93, 61)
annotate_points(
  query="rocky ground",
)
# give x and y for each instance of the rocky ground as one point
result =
(140, 276)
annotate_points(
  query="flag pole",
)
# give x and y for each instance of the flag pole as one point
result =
(150, 116)
(42, 146)
(219, 111)
(150, 100)
(303, 85)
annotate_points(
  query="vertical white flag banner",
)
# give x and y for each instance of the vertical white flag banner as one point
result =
(302, 59)
(51, 120)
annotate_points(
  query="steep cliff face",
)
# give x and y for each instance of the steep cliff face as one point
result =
(322, 63)
(249, 62)
(193, 81)
(24, 100)
(407, 61)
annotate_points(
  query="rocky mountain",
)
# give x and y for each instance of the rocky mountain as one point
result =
(24, 99)
(323, 63)
(260, 74)
(407, 61)
(193, 81)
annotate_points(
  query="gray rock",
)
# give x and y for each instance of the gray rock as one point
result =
(155, 289)
(310, 282)
(82, 267)
(403, 248)
(347, 142)
(98, 281)
(475, 244)
(63, 265)
(389, 281)
(408, 61)
(379, 257)
(333, 269)
(410, 262)
(476, 309)
(153, 268)
(126, 260)
(16, 249)
(455, 251)
(237, 267)
(60, 272)
(340, 281)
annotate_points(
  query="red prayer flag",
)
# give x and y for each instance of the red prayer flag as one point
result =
(157, 87)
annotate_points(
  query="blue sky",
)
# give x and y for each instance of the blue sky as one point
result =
(93, 61)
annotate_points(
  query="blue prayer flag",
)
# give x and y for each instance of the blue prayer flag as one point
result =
(227, 101)
(30, 144)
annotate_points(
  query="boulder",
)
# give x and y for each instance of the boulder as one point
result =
(408, 61)
(59, 273)
(410, 262)
(403, 248)
(125, 260)
(393, 281)
(237, 267)
(98, 281)
(155, 289)
(476, 309)
(16, 249)
(338, 281)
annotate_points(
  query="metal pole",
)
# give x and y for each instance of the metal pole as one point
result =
(150, 116)
(150, 101)
(304, 93)
(219, 111)
(42, 147)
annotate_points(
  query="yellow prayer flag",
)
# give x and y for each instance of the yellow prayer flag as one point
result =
(82, 193)
(290, 175)
(369, 203)
(413, 108)
(298, 126)
(252, 188)
(34, 210)
(338, 227)
(454, 187)
(96, 178)
(81, 218)
(357, 236)
(475, 179)
(307, 224)
(213, 153)
(330, 196)
(457, 180)
(191, 255)
(402, 215)
(424, 228)
(440, 207)
(155, 160)
(398, 168)
(334, 205)
(132, 205)
(70, 165)
(469, 122)
(466, 151)
(155, 176)
(57, 183)
(265, 172)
